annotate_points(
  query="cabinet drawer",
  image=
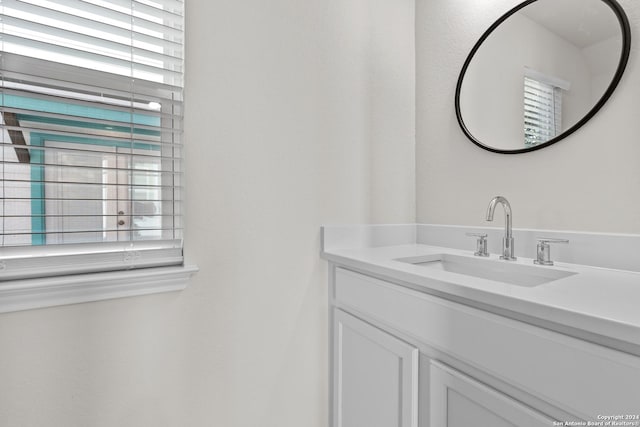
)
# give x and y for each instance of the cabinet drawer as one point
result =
(579, 377)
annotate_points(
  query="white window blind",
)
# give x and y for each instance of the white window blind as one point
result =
(91, 115)
(542, 111)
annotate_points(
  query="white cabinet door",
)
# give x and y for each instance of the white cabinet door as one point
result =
(375, 376)
(456, 400)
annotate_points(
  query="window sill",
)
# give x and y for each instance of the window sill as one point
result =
(17, 295)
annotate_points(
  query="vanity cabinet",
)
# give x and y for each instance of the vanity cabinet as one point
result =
(375, 376)
(457, 400)
(472, 366)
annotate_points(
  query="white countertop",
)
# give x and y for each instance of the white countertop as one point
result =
(600, 301)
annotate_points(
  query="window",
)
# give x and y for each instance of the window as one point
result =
(91, 115)
(542, 107)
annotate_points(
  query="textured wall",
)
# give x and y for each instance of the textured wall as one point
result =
(278, 130)
(281, 105)
(392, 92)
(589, 181)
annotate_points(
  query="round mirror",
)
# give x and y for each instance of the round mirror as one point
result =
(540, 72)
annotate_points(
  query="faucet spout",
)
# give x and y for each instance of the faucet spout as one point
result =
(507, 241)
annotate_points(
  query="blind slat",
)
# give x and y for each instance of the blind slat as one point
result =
(111, 230)
(96, 22)
(174, 159)
(82, 58)
(92, 184)
(108, 47)
(122, 141)
(125, 110)
(116, 18)
(174, 5)
(41, 115)
(44, 73)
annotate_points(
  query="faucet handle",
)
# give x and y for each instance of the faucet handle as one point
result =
(543, 250)
(481, 243)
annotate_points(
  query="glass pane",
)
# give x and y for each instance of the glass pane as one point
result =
(92, 172)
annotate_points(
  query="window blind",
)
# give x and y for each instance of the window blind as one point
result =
(542, 111)
(91, 116)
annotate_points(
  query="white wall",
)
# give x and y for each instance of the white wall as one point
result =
(289, 109)
(603, 59)
(392, 92)
(589, 181)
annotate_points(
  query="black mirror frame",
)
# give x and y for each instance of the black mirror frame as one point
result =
(624, 57)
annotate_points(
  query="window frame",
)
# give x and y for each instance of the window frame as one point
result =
(43, 276)
(26, 294)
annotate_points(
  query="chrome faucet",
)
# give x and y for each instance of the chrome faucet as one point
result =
(507, 241)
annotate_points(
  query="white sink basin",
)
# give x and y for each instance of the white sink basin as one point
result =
(490, 269)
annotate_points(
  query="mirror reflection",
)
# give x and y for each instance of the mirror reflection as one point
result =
(540, 73)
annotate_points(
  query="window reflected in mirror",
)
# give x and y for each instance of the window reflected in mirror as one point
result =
(542, 107)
